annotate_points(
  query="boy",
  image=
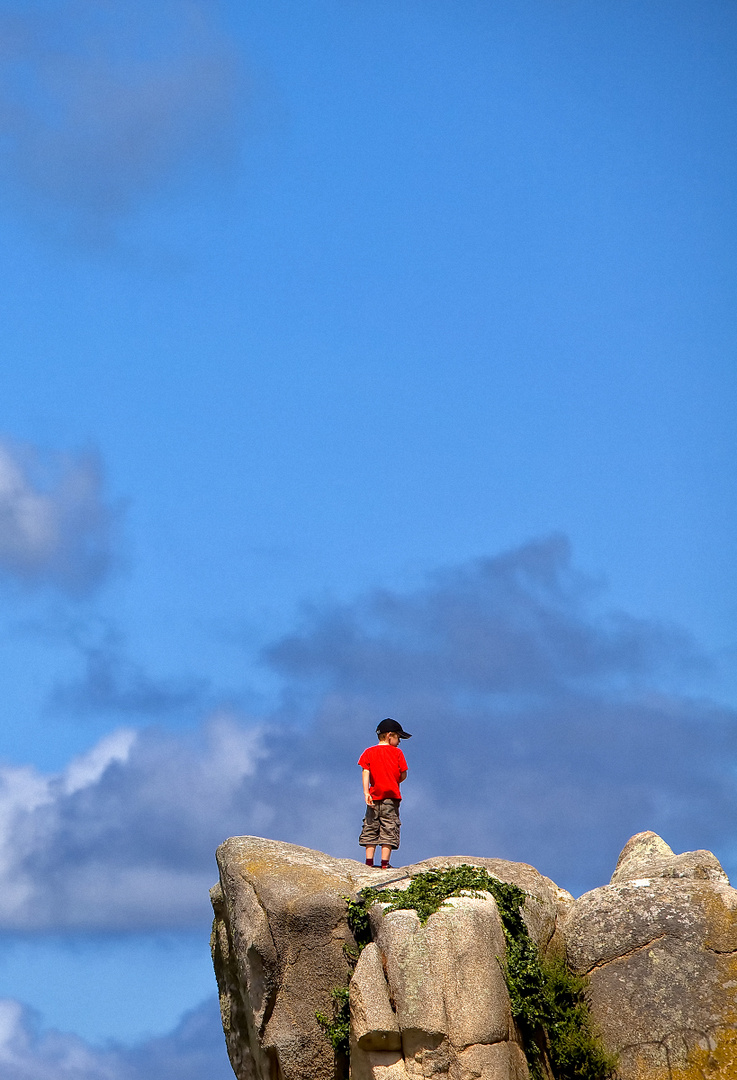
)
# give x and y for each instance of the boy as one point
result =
(384, 769)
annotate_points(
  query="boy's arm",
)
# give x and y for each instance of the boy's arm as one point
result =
(402, 772)
(366, 782)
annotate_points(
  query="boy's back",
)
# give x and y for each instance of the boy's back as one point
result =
(386, 763)
(384, 769)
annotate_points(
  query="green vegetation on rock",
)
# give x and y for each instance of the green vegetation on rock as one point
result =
(576, 1051)
(428, 892)
(337, 1027)
(548, 1001)
(357, 916)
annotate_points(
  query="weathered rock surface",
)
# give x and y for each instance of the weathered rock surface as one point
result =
(659, 944)
(444, 981)
(425, 1000)
(280, 926)
(646, 855)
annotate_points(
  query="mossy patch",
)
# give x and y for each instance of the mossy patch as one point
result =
(357, 916)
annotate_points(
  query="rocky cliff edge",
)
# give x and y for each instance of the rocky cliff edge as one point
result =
(658, 945)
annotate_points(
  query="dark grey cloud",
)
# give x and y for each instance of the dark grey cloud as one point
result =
(195, 1050)
(112, 682)
(103, 103)
(55, 526)
(517, 624)
(545, 730)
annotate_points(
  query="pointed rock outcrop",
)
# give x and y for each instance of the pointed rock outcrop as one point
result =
(659, 945)
(646, 855)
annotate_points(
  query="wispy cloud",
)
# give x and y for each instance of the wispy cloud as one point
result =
(544, 730)
(112, 682)
(102, 104)
(193, 1051)
(55, 526)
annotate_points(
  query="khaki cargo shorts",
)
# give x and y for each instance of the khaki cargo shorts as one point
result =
(381, 824)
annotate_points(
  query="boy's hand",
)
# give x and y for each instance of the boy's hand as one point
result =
(369, 800)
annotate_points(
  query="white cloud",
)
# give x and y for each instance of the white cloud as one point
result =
(195, 1050)
(22, 791)
(24, 1056)
(87, 769)
(125, 835)
(54, 526)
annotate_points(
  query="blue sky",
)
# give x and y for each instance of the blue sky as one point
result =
(357, 359)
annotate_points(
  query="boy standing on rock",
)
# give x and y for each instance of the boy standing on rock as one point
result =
(384, 769)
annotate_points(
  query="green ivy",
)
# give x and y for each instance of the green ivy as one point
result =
(359, 923)
(576, 1051)
(338, 1027)
(427, 893)
(548, 1001)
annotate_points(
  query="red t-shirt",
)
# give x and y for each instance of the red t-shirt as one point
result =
(385, 763)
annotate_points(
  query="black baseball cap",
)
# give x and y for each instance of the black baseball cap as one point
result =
(391, 725)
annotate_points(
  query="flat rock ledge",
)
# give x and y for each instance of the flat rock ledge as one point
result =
(659, 944)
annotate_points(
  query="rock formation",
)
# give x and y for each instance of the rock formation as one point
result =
(659, 944)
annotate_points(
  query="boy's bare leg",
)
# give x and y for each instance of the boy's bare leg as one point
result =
(370, 850)
(385, 854)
